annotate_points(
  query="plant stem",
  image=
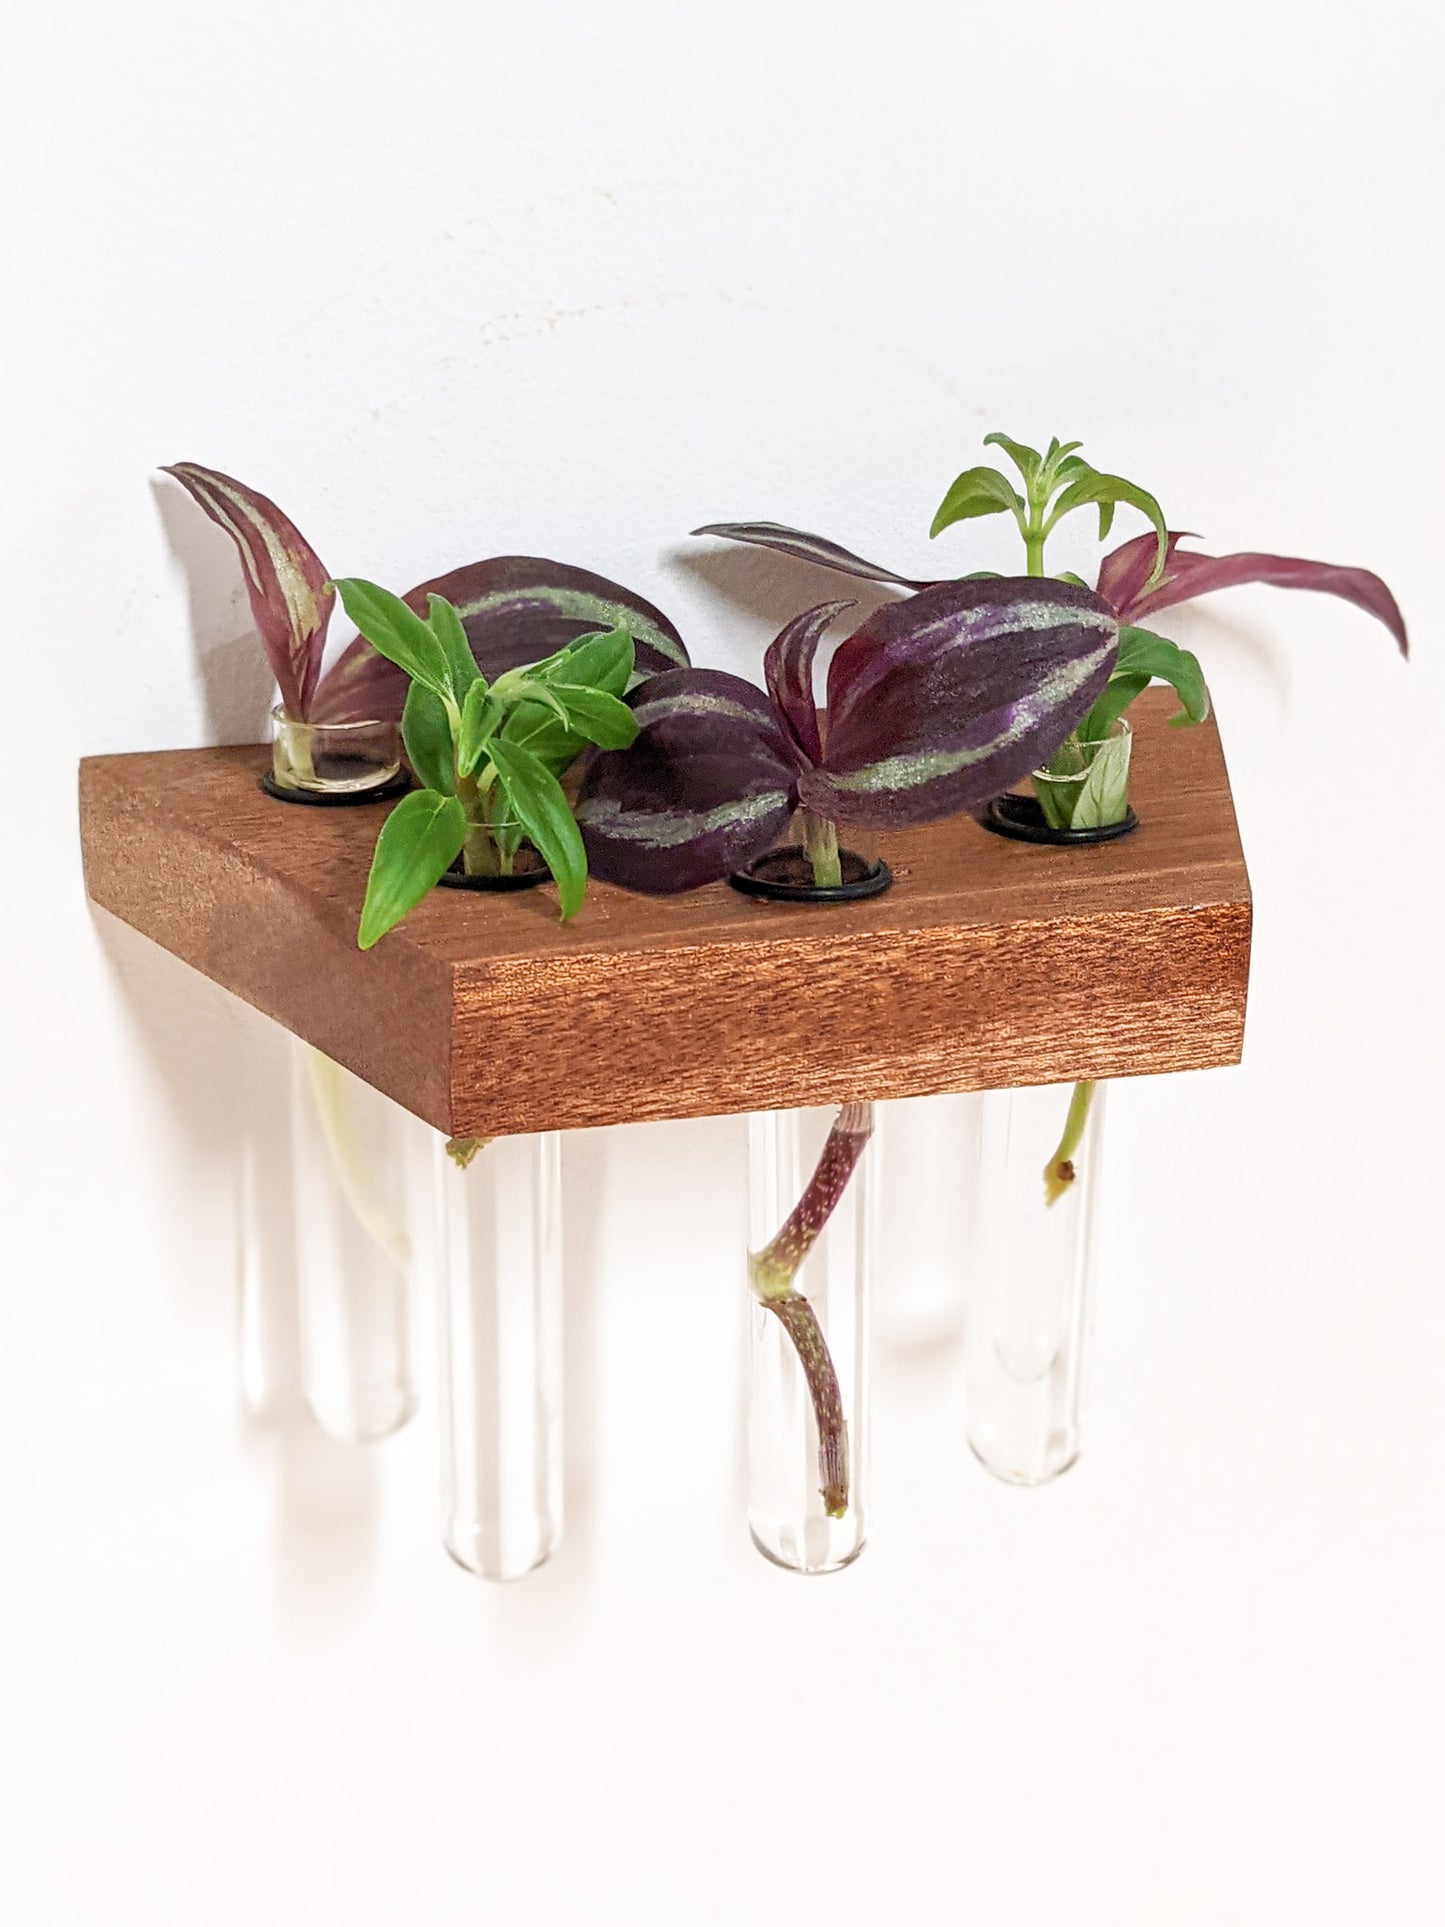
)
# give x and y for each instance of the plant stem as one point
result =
(461, 1150)
(800, 1322)
(774, 1268)
(1035, 535)
(1034, 531)
(294, 743)
(771, 1272)
(479, 857)
(479, 852)
(1059, 1172)
(820, 846)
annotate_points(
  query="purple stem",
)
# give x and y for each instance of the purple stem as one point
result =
(772, 1271)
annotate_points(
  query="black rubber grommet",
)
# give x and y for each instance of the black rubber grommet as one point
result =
(1021, 818)
(518, 880)
(397, 785)
(769, 876)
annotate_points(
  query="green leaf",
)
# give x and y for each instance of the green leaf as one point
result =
(427, 733)
(508, 836)
(482, 716)
(1103, 797)
(525, 685)
(1056, 463)
(978, 491)
(419, 840)
(1026, 460)
(1056, 800)
(601, 718)
(1142, 653)
(603, 661)
(446, 626)
(532, 727)
(1119, 692)
(396, 632)
(1105, 491)
(546, 815)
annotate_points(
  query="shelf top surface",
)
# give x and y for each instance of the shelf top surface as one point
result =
(1185, 852)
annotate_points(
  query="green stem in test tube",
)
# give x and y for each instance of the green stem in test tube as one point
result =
(1059, 1172)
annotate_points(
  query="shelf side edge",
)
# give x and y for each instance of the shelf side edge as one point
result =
(288, 953)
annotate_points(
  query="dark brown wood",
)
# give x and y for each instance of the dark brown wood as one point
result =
(988, 963)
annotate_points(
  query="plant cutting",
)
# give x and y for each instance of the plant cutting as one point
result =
(1028, 1324)
(773, 1273)
(1084, 785)
(489, 753)
(335, 728)
(1082, 788)
(336, 739)
(934, 705)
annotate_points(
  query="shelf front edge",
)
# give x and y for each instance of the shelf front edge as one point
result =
(877, 1015)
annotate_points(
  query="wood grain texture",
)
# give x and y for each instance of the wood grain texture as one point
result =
(988, 963)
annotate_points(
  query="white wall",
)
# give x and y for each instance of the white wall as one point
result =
(455, 280)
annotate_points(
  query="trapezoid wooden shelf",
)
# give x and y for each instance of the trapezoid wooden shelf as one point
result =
(988, 963)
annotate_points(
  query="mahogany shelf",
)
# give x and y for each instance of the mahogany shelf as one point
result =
(988, 962)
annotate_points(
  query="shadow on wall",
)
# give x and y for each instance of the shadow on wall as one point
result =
(236, 682)
(772, 589)
(225, 1070)
(1223, 637)
(226, 1074)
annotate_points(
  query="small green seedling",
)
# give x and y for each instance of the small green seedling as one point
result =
(489, 754)
(1086, 782)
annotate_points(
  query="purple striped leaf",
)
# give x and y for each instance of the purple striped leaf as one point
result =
(515, 609)
(285, 579)
(939, 702)
(1124, 572)
(709, 783)
(936, 704)
(788, 666)
(807, 548)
